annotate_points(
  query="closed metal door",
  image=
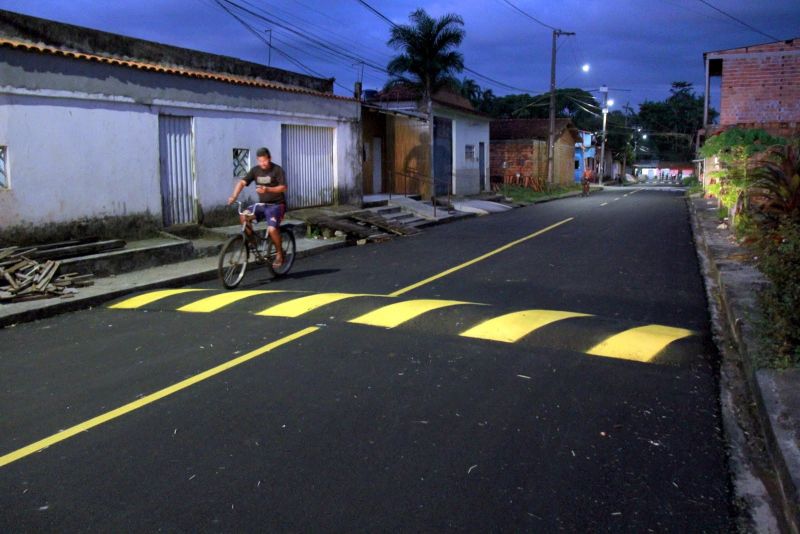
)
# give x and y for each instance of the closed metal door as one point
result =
(482, 164)
(442, 155)
(307, 158)
(176, 155)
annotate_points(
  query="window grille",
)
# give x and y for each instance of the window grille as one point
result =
(3, 167)
(241, 162)
(469, 152)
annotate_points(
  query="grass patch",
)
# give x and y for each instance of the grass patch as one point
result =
(524, 194)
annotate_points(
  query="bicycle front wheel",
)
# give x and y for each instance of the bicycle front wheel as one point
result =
(233, 261)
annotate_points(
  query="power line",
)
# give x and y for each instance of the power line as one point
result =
(381, 15)
(528, 15)
(743, 23)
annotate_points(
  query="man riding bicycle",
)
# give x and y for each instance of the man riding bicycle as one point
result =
(271, 188)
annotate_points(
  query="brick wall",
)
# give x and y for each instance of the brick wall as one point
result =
(528, 158)
(761, 85)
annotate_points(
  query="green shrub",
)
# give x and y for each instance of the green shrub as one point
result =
(780, 302)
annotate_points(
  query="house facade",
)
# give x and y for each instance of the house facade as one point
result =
(94, 124)
(760, 86)
(400, 157)
(519, 150)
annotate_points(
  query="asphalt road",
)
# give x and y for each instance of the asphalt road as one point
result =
(565, 382)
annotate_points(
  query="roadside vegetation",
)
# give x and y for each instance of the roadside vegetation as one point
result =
(758, 187)
(527, 195)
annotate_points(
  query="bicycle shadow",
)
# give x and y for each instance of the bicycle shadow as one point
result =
(261, 278)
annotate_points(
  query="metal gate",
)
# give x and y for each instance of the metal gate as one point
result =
(176, 155)
(307, 158)
(442, 155)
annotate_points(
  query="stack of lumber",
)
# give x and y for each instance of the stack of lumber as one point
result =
(24, 278)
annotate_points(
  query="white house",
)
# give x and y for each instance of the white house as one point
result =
(94, 124)
(460, 143)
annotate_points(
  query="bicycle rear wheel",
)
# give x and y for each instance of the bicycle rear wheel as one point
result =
(233, 261)
(289, 249)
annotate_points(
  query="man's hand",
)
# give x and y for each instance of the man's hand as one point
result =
(261, 189)
(231, 200)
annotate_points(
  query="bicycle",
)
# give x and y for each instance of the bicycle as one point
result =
(235, 254)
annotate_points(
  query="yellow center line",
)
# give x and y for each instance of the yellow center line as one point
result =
(149, 298)
(401, 312)
(149, 399)
(478, 259)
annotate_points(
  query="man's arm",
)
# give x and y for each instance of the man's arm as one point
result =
(237, 189)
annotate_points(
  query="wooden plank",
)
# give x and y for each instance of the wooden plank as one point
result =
(376, 220)
(79, 250)
(342, 225)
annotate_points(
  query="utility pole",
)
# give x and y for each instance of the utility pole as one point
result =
(552, 136)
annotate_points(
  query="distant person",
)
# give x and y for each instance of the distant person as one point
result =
(271, 188)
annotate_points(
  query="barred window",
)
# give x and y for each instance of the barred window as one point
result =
(4, 167)
(241, 162)
(469, 152)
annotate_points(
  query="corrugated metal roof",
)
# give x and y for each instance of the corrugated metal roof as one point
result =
(166, 69)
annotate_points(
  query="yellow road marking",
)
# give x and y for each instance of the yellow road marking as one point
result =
(299, 306)
(478, 259)
(149, 399)
(641, 344)
(400, 312)
(215, 302)
(148, 298)
(512, 327)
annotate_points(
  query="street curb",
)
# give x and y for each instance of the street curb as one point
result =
(733, 322)
(78, 303)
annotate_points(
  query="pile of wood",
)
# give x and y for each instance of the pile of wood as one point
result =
(23, 278)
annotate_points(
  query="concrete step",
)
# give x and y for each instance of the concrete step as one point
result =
(400, 218)
(386, 211)
(368, 204)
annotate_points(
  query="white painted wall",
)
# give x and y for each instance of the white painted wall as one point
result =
(69, 159)
(73, 158)
(468, 129)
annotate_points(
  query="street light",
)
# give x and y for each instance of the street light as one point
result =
(606, 104)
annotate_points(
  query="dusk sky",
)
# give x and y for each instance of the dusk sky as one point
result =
(637, 48)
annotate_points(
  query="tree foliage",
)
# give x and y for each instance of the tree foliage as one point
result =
(428, 58)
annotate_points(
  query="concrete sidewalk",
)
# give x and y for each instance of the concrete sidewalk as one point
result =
(163, 276)
(735, 280)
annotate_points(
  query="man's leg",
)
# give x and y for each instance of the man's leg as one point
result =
(274, 216)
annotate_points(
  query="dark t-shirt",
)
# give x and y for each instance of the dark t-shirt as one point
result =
(271, 177)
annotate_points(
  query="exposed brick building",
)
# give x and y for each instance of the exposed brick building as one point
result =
(760, 86)
(518, 150)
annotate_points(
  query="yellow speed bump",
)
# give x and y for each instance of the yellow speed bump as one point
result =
(148, 298)
(215, 302)
(512, 327)
(641, 344)
(400, 312)
(299, 306)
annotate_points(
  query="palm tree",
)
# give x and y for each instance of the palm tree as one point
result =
(428, 57)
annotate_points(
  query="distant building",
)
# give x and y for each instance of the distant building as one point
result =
(96, 124)
(585, 155)
(519, 150)
(397, 145)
